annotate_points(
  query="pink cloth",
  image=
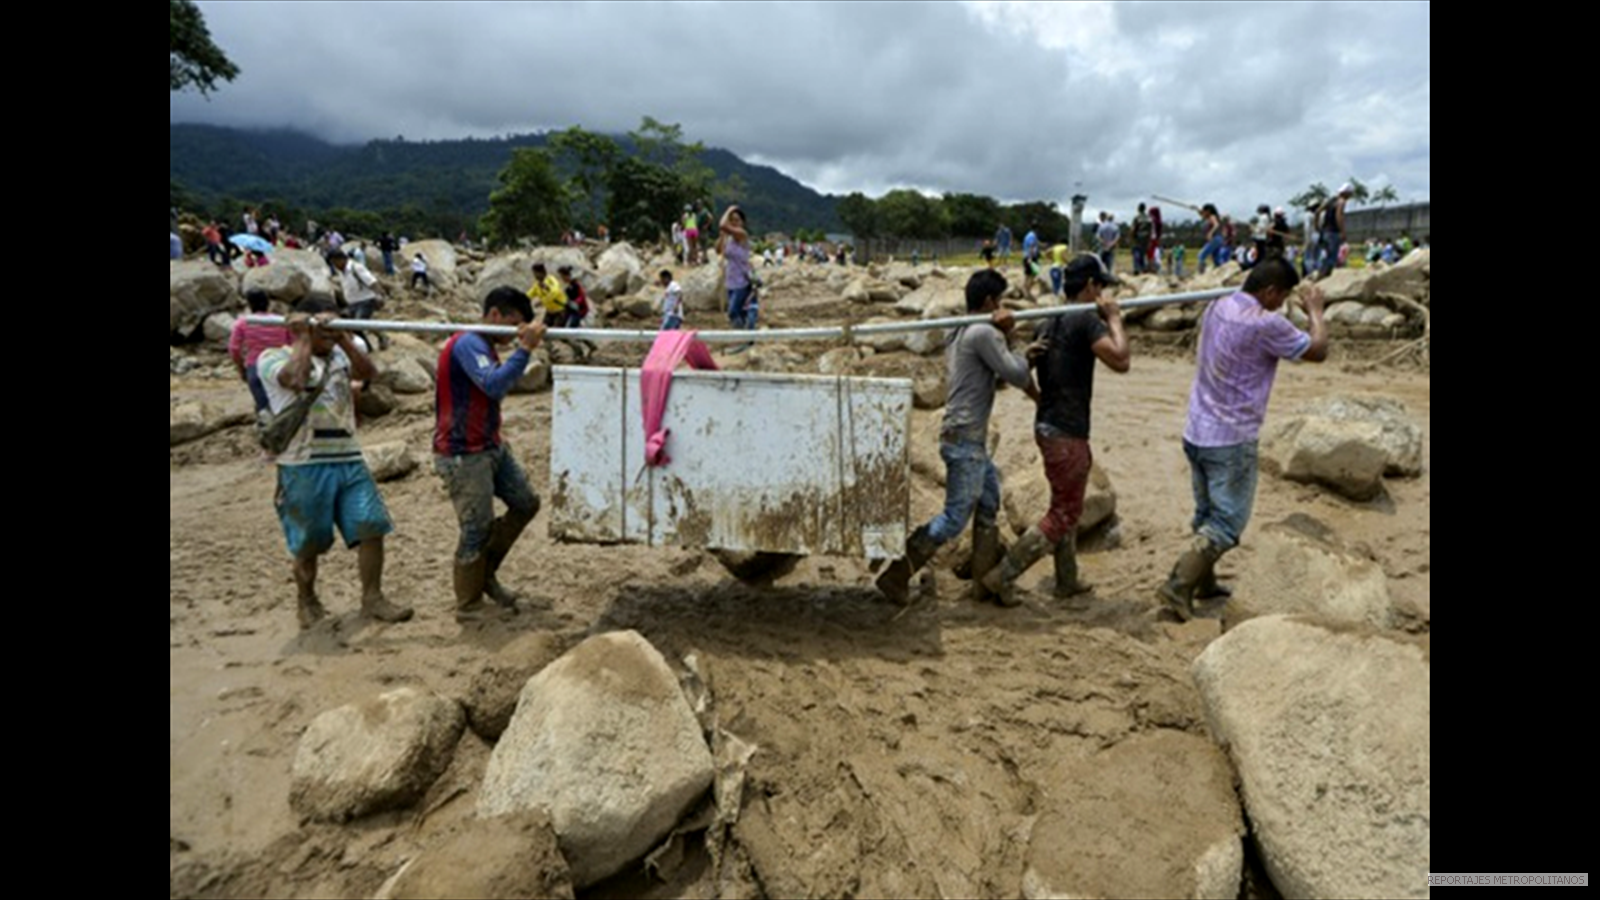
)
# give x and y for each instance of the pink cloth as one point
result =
(655, 379)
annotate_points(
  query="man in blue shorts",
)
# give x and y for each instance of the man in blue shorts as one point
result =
(322, 479)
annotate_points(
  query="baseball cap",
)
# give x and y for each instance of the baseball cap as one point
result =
(1087, 266)
(1347, 188)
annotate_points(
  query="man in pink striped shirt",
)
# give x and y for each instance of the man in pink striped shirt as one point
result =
(1242, 337)
(247, 340)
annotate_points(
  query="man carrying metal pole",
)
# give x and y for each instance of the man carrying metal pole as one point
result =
(1241, 340)
(1065, 355)
(470, 456)
(976, 356)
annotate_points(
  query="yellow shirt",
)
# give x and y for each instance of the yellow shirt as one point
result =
(549, 294)
(1058, 254)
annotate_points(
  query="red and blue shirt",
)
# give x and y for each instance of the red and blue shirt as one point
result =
(472, 381)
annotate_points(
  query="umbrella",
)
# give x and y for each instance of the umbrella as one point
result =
(251, 242)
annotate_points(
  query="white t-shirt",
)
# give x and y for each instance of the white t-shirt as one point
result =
(418, 264)
(329, 434)
(357, 282)
(672, 301)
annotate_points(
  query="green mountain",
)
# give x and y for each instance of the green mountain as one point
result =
(439, 186)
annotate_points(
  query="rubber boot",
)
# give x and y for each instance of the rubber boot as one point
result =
(1208, 588)
(895, 582)
(1068, 584)
(1178, 593)
(502, 534)
(1002, 580)
(309, 610)
(378, 607)
(469, 579)
(986, 554)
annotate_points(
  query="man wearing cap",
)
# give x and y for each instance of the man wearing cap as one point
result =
(362, 292)
(1242, 338)
(1331, 237)
(1064, 353)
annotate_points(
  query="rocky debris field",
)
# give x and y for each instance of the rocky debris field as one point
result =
(655, 727)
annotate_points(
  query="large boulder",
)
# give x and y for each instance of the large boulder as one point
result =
(536, 377)
(196, 290)
(605, 743)
(621, 272)
(1226, 275)
(441, 259)
(194, 419)
(405, 374)
(514, 270)
(492, 696)
(504, 858)
(218, 327)
(1399, 436)
(375, 401)
(1343, 454)
(389, 460)
(934, 300)
(292, 276)
(703, 289)
(1298, 565)
(1154, 816)
(379, 754)
(1328, 727)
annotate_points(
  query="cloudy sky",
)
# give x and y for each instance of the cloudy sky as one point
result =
(1235, 103)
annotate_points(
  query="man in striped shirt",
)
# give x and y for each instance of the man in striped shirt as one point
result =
(322, 479)
(470, 455)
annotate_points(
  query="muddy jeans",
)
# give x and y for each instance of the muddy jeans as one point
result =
(1066, 467)
(1224, 490)
(972, 484)
(473, 481)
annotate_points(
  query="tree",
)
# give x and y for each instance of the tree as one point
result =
(644, 197)
(1312, 196)
(972, 215)
(860, 215)
(196, 61)
(530, 202)
(909, 214)
(1385, 195)
(591, 157)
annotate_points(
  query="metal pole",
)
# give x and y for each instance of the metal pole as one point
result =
(826, 333)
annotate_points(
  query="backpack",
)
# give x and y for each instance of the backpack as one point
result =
(274, 431)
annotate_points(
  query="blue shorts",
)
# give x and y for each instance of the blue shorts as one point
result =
(313, 498)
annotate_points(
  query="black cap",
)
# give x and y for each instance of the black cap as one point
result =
(1088, 267)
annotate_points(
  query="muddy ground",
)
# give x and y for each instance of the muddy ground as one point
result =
(900, 753)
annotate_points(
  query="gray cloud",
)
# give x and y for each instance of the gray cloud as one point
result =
(1236, 103)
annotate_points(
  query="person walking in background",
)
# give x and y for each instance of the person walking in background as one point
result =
(362, 293)
(671, 302)
(1242, 338)
(1108, 234)
(1030, 259)
(577, 309)
(419, 272)
(387, 245)
(248, 340)
(1140, 240)
(1278, 233)
(1214, 250)
(691, 235)
(1002, 240)
(733, 245)
(1331, 234)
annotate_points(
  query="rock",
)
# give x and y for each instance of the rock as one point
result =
(604, 742)
(1345, 312)
(1347, 456)
(1171, 318)
(194, 420)
(389, 460)
(928, 390)
(882, 343)
(636, 307)
(441, 259)
(290, 278)
(856, 292)
(1298, 565)
(1328, 727)
(882, 293)
(1154, 816)
(502, 858)
(536, 377)
(380, 754)
(196, 290)
(933, 300)
(375, 401)
(1226, 275)
(703, 290)
(405, 375)
(217, 327)
(926, 342)
(621, 272)
(514, 270)
(492, 696)
(839, 361)
(1400, 438)
(180, 362)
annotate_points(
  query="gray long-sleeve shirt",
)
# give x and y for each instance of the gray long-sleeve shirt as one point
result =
(976, 356)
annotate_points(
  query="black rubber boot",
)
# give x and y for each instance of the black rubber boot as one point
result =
(895, 580)
(1002, 580)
